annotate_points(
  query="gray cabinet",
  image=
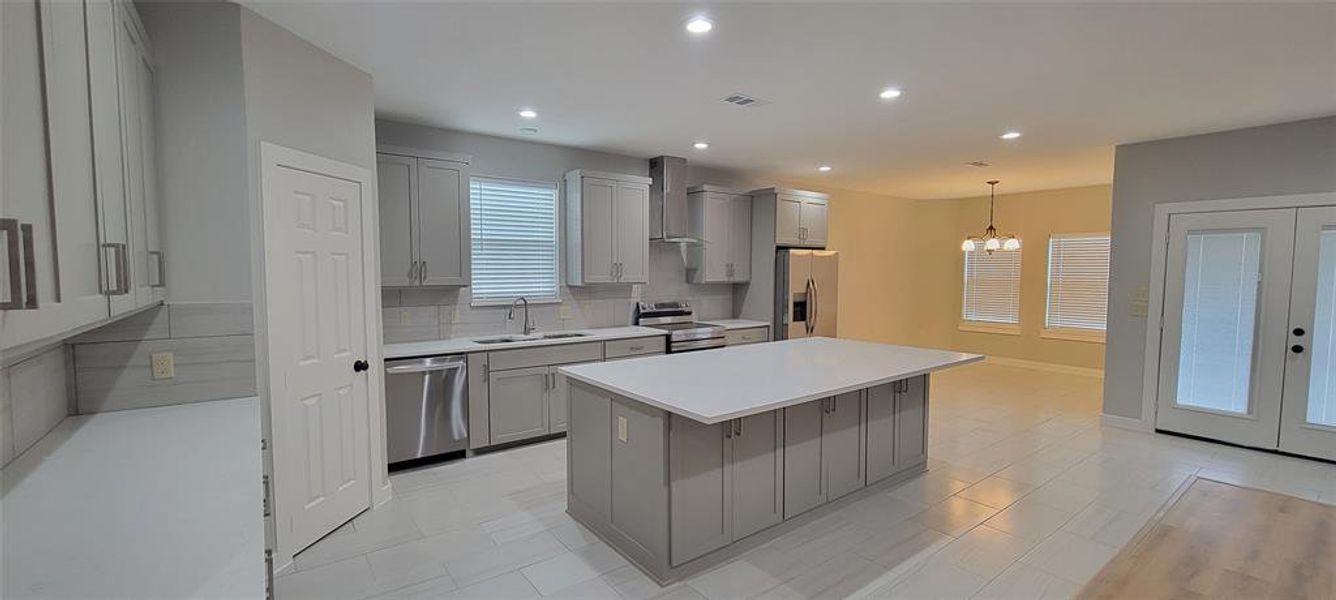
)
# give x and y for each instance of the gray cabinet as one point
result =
(800, 216)
(749, 335)
(518, 403)
(424, 219)
(721, 220)
(896, 437)
(725, 481)
(607, 228)
(823, 453)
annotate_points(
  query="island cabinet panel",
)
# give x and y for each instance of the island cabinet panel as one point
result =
(841, 445)
(589, 466)
(881, 406)
(756, 473)
(911, 423)
(518, 404)
(700, 488)
(803, 485)
(640, 495)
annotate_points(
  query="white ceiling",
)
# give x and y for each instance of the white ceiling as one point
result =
(1076, 79)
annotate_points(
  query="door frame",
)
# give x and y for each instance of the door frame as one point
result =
(1150, 375)
(272, 158)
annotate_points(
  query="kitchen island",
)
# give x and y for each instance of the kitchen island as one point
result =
(684, 460)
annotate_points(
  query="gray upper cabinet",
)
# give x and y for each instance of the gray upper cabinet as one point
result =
(607, 228)
(80, 219)
(424, 218)
(721, 219)
(800, 216)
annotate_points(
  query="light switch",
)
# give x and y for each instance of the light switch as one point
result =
(621, 429)
(405, 317)
(1140, 304)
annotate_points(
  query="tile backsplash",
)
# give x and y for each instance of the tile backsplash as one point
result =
(430, 313)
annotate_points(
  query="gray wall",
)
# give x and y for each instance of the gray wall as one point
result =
(1288, 158)
(201, 141)
(412, 314)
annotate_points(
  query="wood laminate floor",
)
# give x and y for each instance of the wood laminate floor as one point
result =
(1225, 541)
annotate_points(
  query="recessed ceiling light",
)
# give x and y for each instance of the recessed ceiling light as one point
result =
(1010, 135)
(529, 130)
(699, 25)
(890, 93)
(528, 113)
(824, 168)
(701, 145)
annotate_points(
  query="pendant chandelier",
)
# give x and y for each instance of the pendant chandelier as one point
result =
(990, 240)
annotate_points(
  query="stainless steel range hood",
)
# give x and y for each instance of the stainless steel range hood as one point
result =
(668, 220)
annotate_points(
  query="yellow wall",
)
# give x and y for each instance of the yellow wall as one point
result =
(900, 267)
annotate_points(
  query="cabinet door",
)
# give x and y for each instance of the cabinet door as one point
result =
(558, 401)
(740, 237)
(911, 421)
(132, 59)
(443, 224)
(756, 473)
(631, 232)
(788, 218)
(597, 197)
(717, 245)
(841, 445)
(803, 489)
(814, 222)
(700, 496)
(517, 403)
(108, 156)
(881, 431)
(396, 190)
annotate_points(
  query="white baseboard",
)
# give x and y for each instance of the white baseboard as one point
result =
(1043, 366)
(1122, 422)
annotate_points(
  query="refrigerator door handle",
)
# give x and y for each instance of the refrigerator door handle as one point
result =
(810, 323)
(815, 301)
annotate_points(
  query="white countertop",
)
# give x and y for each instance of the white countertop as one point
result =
(149, 503)
(729, 383)
(464, 345)
(736, 323)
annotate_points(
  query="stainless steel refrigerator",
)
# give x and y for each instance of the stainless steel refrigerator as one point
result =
(806, 293)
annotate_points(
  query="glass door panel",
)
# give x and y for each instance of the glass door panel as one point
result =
(1226, 298)
(1308, 412)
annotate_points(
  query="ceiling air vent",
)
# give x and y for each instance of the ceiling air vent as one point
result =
(979, 164)
(743, 100)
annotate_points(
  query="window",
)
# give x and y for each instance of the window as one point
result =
(992, 291)
(514, 241)
(1078, 283)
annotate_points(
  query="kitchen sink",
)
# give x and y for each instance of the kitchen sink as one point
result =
(504, 340)
(559, 336)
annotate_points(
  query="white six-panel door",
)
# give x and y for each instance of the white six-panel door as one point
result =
(316, 312)
(1308, 413)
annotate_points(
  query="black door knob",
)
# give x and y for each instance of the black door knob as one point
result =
(1297, 349)
(1298, 331)
(360, 365)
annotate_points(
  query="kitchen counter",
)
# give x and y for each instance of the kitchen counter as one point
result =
(736, 323)
(466, 345)
(148, 503)
(730, 383)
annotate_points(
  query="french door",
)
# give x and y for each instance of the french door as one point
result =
(1247, 348)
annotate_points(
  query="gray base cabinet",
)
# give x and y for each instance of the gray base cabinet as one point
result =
(677, 496)
(518, 403)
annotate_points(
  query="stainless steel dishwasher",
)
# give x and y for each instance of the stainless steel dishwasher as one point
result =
(426, 407)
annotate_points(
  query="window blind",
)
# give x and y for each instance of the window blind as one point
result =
(992, 286)
(514, 241)
(1078, 281)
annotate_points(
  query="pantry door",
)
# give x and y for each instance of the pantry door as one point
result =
(1225, 325)
(316, 266)
(1308, 412)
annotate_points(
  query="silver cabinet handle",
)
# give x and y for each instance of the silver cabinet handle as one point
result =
(728, 431)
(29, 266)
(412, 271)
(10, 227)
(122, 279)
(739, 427)
(422, 272)
(162, 270)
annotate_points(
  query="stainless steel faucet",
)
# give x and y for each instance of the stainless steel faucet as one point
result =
(510, 314)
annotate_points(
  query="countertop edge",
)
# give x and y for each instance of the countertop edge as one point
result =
(396, 351)
(711, 420)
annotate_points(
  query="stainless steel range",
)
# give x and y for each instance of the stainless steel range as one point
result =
(677, 318)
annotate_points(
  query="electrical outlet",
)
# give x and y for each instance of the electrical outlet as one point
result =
(405, 317)
(564, 313)
(621, 429)
(164, 365)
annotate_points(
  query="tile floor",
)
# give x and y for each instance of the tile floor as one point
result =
(1027, 496)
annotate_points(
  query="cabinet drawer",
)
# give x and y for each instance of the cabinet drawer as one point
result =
(750, 335)
(545, 355)
(633, 347)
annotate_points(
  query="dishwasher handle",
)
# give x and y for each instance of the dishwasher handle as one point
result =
(425, 366)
